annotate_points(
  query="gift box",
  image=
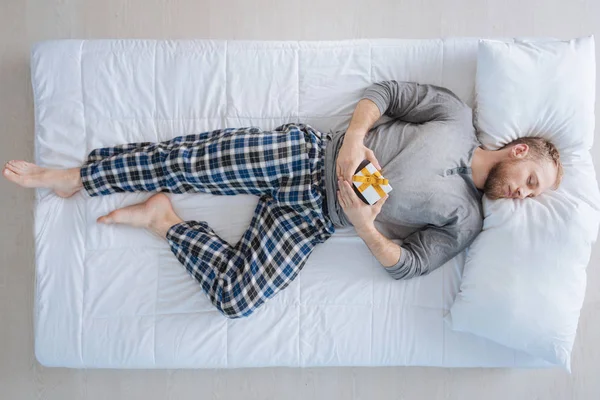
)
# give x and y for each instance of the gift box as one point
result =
(369, 184)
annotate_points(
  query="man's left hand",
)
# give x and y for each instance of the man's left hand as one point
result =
(360, 214)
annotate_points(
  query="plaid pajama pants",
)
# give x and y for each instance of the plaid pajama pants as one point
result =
(284, 168)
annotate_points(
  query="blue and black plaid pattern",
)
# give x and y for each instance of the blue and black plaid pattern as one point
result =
(284, 167)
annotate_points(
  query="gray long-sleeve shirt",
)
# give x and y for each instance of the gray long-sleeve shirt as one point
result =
(424, 142)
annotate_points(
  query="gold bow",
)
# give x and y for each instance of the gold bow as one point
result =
(369, 179)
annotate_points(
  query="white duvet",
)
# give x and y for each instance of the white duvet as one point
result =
(114, 296)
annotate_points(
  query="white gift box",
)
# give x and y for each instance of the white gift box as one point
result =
(373, 189)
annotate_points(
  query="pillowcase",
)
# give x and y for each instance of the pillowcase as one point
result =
(529, 88)
(524, 278)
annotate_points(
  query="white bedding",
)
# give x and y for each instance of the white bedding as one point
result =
(116, 297)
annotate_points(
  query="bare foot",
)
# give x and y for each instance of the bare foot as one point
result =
(64, 182)
(155, 214)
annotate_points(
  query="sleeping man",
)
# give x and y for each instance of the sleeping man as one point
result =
(424, 139)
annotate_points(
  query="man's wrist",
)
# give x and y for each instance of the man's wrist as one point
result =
(387, 252)
(367, 229)
(356, 134)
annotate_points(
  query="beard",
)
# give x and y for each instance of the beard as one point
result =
(495, 185)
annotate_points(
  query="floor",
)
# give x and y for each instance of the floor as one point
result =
(25, 22)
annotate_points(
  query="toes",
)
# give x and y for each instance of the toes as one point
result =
(12, 168)
(16, 178)
(113, 217)
(20, 166)
(105, 219)
(14, 164)
(10, 175)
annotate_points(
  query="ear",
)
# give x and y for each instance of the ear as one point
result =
(519, 150)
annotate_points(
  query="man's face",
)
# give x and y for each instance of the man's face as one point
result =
(518, 178)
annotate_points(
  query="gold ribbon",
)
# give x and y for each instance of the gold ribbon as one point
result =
(369, 179)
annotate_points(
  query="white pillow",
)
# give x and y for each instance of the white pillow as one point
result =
(524, 279)
(536, 88)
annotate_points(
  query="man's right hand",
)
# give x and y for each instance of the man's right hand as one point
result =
(352, 153)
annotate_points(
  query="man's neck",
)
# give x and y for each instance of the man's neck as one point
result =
(482, 163)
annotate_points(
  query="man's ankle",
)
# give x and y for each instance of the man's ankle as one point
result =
(162, 227)
(75, 176)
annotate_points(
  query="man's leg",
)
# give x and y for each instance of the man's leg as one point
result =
(286, 226)
(224, 162)
(237, 279)
(285, 169)
(64, 182)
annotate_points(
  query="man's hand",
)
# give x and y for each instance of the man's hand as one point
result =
(360, 214)
(351, 154)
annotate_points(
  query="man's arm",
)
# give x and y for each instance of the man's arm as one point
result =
(416, 103)
(365, 115)
(422, 251)
(387, 252)
(409, 101)
(353, 150)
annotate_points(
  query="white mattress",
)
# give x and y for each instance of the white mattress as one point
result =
(116, 297)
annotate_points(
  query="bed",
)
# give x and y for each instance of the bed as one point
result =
(115, 297)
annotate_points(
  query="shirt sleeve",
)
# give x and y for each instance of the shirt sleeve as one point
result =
(416, 103)
(430, 248)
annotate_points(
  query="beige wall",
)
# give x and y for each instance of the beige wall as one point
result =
(25, 22)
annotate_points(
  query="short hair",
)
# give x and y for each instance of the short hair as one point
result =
(541, 149)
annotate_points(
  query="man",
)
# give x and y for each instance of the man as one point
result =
(426, 142)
